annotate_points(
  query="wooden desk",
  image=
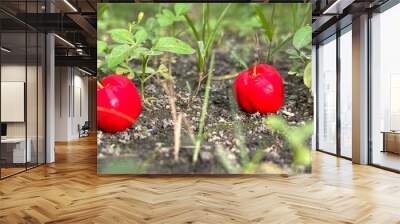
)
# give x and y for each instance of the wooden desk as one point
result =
(391, 141)
(13, 150)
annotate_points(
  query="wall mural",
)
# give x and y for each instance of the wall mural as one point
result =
(204, 88)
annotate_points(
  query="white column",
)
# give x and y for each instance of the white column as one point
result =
(360, 90)
(50, 92)
(50, 100)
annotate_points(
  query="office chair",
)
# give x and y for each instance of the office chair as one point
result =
(84, 130)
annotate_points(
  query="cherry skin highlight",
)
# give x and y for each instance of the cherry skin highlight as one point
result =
(118, 103)
(259, 89)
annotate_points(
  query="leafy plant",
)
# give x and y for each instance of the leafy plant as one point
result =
(132, 47)
(301, 54)
(295, 136)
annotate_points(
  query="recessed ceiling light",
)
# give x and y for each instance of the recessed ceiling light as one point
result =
(84, 71)
(64, 40)
(70, 5)
(337, 7)
(5, 49)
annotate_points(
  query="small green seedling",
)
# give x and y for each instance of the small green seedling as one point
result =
(295, 136)
(205, 38)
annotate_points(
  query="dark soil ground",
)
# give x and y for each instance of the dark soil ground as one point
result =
(148, 146)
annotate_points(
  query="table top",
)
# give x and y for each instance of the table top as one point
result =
(13, 140)
(390, 132)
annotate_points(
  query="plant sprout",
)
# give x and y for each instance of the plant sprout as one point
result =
(205, 38)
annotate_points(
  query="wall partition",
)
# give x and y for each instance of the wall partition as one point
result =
(22, 98)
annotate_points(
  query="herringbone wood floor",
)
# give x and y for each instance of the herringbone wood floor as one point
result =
(69, 191)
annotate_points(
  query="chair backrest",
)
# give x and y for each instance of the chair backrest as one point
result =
(86, 125)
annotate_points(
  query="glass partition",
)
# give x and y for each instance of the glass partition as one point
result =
(346, 92)
(14, 153)
(326, 102)
(41, 110)
(385, 89)
(22, 98)
(32, 96)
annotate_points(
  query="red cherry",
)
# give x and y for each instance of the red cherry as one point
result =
(259, 89)
(118, 103)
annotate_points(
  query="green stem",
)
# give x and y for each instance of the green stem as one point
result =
(142, 89)
(143, 77)
(203, 115)
(192, 27)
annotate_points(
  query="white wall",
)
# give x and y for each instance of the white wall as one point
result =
(33, 126)
(71, 93)
(62, 81)
(12, 73)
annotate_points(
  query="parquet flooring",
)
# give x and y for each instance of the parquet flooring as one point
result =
(69, 191)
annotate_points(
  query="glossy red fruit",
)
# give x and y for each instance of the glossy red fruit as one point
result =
(118, 103)
(259, 89)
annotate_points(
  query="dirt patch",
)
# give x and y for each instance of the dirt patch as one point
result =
(148, 145)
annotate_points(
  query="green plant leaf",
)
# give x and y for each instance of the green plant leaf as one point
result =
(240, 60)
(211, 39)
(202, 50)
(166, 18)
(140, 36)
(192, 27)
(101, 47)
(281, 45)
(99, 63)
(302, 37)
(307, 75)
(122, 36)
(173, 45)
(292, 52)
(150, 23)
(182, 8)
(266, 26)
(153, 53)
(118, 55)
(102, 7)
(276, 123)
(138, 52)
(164, 21)
(121, 71)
